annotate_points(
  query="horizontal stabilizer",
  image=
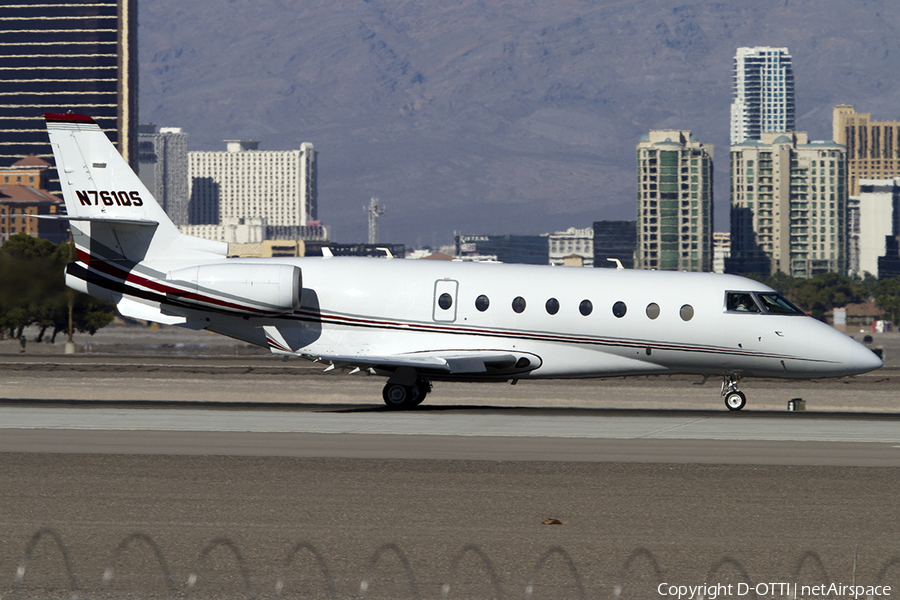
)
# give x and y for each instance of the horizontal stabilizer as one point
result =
(144, 312)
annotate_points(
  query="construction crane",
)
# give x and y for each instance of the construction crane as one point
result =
(374, 210)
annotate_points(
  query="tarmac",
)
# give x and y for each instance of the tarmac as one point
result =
(145, 468)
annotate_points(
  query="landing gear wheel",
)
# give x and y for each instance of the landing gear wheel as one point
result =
(401, 396)
(735, 400)
(424, 387)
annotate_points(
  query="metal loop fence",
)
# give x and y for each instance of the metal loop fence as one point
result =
(640, 563)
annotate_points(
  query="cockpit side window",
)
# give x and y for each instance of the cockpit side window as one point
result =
(776, 304)
(740, 302)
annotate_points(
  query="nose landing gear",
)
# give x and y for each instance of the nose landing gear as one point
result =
(734, 398)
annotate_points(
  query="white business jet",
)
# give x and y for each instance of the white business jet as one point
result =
(417, 321)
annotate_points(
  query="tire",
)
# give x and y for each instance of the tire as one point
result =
(424, 388)
(735, 400)
(400, 396)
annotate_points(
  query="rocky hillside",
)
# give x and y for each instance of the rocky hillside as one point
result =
(493, 116)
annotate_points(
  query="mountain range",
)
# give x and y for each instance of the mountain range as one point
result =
(493, 116)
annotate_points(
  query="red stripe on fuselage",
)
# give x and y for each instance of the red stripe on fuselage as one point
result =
(110, 269)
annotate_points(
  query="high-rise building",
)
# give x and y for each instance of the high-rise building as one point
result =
(762, 93)
(246, 183)
(874, 218)
(614, 240)
(788, 206)
(873, 147)
(675, 202)
(163, 167)
(59, 55)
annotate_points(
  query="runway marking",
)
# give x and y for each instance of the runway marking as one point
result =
(676, 426)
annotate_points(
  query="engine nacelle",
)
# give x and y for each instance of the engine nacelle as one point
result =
(243, 288)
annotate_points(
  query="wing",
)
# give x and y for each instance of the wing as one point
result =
(434, 362)
(438, 362)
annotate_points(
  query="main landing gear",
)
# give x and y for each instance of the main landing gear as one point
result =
(734, 398)
(399, 396)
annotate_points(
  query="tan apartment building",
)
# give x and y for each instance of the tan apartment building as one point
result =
(22, 196)
(19, 207)
(788, 206)
(873, 147)
(30, 171)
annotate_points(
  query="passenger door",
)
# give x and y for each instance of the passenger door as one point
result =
(444, 306)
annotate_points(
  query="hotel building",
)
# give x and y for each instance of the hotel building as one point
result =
(246, 183)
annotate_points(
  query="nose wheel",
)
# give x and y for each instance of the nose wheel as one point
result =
(734, 398)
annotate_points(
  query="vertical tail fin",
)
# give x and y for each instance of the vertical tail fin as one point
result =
(113, 215)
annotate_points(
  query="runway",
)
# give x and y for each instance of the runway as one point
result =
(450, 421)
(451, 433)
(233, 474)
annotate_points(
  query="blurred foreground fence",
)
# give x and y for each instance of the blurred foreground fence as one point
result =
(641, 563)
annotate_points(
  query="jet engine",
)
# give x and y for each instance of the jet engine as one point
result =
(244, 288)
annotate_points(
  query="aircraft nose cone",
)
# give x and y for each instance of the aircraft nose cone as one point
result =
(861, 359)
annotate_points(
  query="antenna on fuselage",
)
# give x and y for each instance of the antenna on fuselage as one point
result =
(618, 262)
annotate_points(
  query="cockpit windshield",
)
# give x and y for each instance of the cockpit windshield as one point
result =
(741, 302)
(770, 303)
(776, 304)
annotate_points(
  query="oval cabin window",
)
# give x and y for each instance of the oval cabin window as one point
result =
(482, 303)
(445, 301)
(687, 312)
(653, 310)
(619, 309)
(518, 304)
(585, 307)
(552, 306)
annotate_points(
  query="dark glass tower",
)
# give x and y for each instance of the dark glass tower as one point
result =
(62, 55)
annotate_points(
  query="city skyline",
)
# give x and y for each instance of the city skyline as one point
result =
(521, 136)
(534, 162)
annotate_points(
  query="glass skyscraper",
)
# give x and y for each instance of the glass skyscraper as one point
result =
(60, 55)
(763, 93)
